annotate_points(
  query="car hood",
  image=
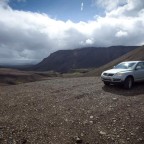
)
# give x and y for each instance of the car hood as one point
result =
(114, 71)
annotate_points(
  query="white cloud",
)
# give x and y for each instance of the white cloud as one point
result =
(89, 41)
(33, 36)
(82, 5)
(4, 4)
(131, 8)
(121, 34)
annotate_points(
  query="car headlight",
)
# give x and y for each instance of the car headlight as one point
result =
(119, 74)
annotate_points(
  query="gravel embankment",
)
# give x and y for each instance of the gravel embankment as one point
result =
(71, 111)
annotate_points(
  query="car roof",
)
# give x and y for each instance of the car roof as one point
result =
(132, 61)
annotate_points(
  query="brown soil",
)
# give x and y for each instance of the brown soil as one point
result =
(71, 111)
(14, 77)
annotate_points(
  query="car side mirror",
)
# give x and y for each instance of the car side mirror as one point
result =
(138, 67)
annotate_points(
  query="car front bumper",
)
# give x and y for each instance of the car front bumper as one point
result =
(112, 79)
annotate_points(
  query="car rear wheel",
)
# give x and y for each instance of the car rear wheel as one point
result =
(107, 83)
(128, 83)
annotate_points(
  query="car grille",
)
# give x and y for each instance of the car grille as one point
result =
(108, 74)
(106, 79)
(116, 80)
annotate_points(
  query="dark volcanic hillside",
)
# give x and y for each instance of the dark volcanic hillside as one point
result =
(66, 60)
(135, 55)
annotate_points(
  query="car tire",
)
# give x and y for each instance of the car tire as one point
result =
(128, 83)
(107, 83)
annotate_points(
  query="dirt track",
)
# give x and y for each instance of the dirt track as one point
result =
(71, 111)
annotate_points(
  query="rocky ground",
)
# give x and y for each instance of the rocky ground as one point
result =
(71, 111)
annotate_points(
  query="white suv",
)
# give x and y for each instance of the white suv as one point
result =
(125, 73)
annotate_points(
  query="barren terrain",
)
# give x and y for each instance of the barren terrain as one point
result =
(71, 111)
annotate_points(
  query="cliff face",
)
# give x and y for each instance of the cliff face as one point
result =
(91, 57)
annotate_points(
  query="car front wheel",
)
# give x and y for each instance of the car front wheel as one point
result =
(128, 83)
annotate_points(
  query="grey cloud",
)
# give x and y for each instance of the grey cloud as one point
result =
(18, 39)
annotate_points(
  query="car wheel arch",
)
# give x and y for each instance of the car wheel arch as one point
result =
(131, 76)
(129, 81)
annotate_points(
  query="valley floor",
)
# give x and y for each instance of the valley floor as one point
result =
(71, 110)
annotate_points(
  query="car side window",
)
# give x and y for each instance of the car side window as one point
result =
(141, 64)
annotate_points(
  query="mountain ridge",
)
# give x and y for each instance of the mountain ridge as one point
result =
(89, 57)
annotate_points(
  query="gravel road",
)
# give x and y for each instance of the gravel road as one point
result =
(71, 111)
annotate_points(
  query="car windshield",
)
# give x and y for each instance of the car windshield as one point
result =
(125, 65)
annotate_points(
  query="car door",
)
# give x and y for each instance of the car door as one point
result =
(139, 71)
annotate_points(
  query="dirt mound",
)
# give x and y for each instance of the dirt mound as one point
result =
(12, 76)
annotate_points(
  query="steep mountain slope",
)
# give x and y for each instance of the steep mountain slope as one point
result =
(92, 57)
(137, 54)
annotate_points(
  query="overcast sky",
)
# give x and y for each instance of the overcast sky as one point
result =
(32, 29)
